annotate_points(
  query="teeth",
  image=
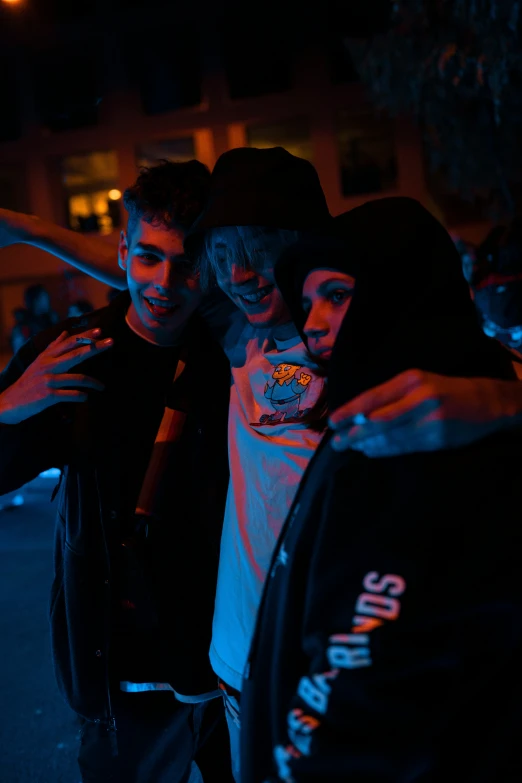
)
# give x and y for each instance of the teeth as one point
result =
(256, 296)
(159, 303)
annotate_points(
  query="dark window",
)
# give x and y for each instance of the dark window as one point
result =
(293, 135)
(90, 183)
(347, 21)
(165, 64)
(367, 156)
(141, 5)
(68, 86)
(151, 152)
(11, 124)
(256, 52)
(455, 207)
(63, 10)
(358, 20)
(341, 67)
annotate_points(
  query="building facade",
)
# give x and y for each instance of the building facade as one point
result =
(98, 99)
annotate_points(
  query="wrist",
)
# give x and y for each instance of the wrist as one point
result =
(30, 229)
(8, 415)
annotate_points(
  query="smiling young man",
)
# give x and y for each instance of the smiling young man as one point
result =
(142, 448)
(260, 201)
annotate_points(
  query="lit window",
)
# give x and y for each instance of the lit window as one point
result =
(151, 152)
(91, 188)
(293, 135)
(367, 158)
(164, 63)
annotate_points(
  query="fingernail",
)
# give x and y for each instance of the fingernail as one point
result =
(337, 442)
(108, 341)
(97, 332)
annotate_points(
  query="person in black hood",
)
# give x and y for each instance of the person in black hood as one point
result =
(389, 636)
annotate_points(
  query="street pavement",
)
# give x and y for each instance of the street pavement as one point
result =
(38, 732)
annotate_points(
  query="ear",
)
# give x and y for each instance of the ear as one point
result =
(123, 250)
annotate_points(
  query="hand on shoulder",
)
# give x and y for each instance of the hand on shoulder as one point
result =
(420, 411)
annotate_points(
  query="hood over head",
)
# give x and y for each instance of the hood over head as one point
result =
(411, 306)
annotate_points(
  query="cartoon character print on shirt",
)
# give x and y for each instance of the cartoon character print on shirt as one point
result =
(290, 384)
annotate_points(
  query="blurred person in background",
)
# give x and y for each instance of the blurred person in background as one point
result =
(112, 293)
(467, 252)
(497, 284)
(20, 333)
(21, 330)
(38, 305)
(79, 308)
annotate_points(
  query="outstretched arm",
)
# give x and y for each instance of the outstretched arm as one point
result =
(89, 254)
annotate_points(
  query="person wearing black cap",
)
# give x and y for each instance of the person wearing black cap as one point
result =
(389, 636)
(260, 201)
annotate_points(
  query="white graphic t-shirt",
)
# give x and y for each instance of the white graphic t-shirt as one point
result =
(277, 393)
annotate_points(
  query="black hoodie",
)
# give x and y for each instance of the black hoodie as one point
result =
(389, 638)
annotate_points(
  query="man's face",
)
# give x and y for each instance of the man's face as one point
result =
(163, 288)
(250, 283)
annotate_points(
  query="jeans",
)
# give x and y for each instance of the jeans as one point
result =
(158, 740)
(234, 726)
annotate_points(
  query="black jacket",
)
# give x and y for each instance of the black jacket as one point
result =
(86, 442)
(388, 646)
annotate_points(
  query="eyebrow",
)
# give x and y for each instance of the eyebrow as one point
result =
(149, 248)
(337, 281)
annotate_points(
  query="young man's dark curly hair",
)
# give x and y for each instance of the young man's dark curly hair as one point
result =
(171, 194)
